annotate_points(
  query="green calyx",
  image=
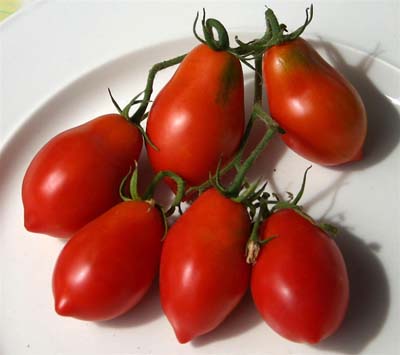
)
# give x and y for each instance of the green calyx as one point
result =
(140, 114)
(293, 201)
(125, 113)
(275, 34)
(221, 43)
(149, 192)
(263, 203)
(278, 30)
(264, 200)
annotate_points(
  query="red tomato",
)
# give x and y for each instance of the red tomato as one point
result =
(108, 266)
(299, 282)
(203, 272)
(198, 117)
(75, 177)
(323, 115)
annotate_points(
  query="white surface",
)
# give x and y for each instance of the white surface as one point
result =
(52, 43)
(49, 43)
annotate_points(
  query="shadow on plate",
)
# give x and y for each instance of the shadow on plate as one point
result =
(243, 318)
(383, 121)
(383, 125)
(369, 296)
(146, 311)
(383, 117)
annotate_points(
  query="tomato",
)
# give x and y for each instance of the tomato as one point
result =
(75, 177)
(107, 267)
(198, 117)
(203, 272)
(299, 282)
(322, 114)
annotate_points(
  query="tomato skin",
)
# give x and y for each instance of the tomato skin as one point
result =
(75, 177)
(323, 115)
(198, 117)
(299, 282)
(107, 267)
(203, 272)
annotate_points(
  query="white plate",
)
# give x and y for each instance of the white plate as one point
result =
(362, 199)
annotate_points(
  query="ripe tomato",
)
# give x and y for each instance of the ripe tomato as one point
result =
(198, 117)
(108, 266)
(299, 282)
(322, 114)
(75, 177)
(203, 272)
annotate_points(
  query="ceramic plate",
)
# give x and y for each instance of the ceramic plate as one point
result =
(361, 199)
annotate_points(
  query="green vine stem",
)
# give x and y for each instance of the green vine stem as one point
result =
(254, 243)
(139, 115)
(149, 193)
(180, 190)
(275, 34)
(258, 81)
(209, 25)
(236, 185)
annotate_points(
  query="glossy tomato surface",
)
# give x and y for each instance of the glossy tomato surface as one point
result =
(75, 177)
(203, 272)
(299, 282)
(323, 115)
(198, 117)
(107, 267)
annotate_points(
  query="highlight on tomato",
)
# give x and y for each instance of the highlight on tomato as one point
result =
(299, 280)
(107, 267)
(198, 117)
(323, 116)
(203, 269)
(75, 177)
(195, 129)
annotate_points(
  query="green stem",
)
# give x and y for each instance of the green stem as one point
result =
(253, 245)
(272, 22)
(258, 81)
(138, 116)
(274, 35)
(133, 185)
(236, 185)
(303, 185)
(180, 188)
(209, 26)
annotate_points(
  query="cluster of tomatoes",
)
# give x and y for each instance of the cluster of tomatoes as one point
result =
(77, 187)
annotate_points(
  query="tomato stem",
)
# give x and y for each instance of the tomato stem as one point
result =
(133, 188)
(278, 30)
(209, 25)
(274, 35)
(122, 187)
(180, 189)
(235, 187)
(293, 203)
(303, 185)
(258, 81)
(149, 192)
(139, 115)
(253, 245)
(125, 113)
